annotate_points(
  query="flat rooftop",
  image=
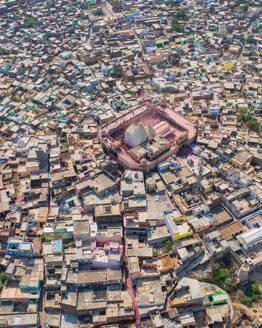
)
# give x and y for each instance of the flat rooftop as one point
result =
(19, 320)
(221, 215)
(231, 229)
(156, 204)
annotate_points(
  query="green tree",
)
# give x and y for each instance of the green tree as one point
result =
(2, 276)
(116, 4)
(219, 274)
(240, 117)
(168, 246)
(47, 35)
(253, 289)
(226, 320)
(181, 14)
(155, 253)
(232, 271)
(253, 124)
(2, 279)
(176, 26)
(228, 283)
(252, 293)
(58, 133)
(30, 21)
(246, 300)
(249, 119)
(155, 89)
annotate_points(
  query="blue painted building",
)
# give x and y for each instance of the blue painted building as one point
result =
(171, 162)
(19, 248)
(57, 246)
(215, 109)
(132, 15)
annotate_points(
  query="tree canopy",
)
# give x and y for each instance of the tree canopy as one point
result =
(253, 124)
(181, 14)
(176, 26)
(30, 21)
(252, 293)
(116, 4)
(248, 118)
(168, 246)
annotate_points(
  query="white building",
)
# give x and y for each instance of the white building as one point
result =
(251, 238)
(137, 134)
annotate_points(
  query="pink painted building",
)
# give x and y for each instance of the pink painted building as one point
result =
(166, 122)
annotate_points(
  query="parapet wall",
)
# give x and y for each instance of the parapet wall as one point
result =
(126, 119)
(167, 112)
